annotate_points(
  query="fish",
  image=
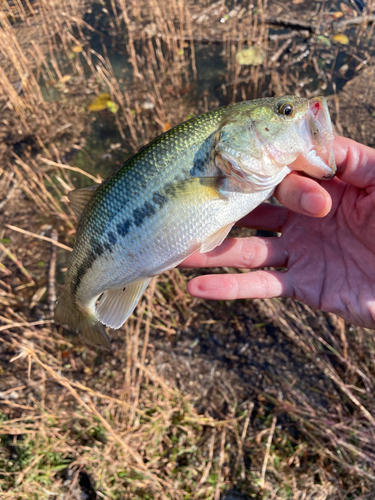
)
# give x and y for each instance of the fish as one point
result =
(180, 194)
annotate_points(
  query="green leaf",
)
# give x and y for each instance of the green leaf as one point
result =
(112, 106)
(324, 39)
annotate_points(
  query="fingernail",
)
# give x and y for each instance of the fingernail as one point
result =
(313, 203)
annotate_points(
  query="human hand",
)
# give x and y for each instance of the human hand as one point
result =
(329, 259)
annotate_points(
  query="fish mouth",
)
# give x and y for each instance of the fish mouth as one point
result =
(318, 159)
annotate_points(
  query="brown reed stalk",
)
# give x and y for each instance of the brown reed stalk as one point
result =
(36, 185)
(85, 53)
(130, 44)
(8, 10)
(182, 14)
(48, 21)
(40, 60)
(11, 48)
(39, 237)
(21, 10)
(115, 13)
(14, 99)
(44, 17)
(160, 55)
(97, 179)
(68, 51)
(79, 23)
(53, 59)
(189, 28)
(31, 10)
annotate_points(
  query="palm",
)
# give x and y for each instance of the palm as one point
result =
(329, 259)
(331, 263)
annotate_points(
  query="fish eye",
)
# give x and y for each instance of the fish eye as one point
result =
(286, 109)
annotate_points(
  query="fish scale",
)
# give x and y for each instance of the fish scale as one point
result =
(180, 193)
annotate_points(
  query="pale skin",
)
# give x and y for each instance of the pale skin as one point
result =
(326, 247)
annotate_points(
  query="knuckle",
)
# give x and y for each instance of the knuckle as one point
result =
(263, 284)
(253, 252)
(248, 253)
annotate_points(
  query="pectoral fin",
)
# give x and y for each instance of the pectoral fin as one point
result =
(79, 198)
(204, 187)
(216, 239)
(116, 305)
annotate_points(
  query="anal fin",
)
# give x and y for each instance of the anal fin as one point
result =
(216, 239)
(116, 305)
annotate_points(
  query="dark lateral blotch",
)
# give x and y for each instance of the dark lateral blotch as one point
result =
(123, 228)
(159, 199)
(140, 214)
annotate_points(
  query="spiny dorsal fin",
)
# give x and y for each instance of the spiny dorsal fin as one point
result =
(116, 305)
(80, 197)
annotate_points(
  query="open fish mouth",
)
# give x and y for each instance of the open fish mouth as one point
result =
(318, 159)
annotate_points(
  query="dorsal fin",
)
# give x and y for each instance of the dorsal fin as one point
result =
(80, 197)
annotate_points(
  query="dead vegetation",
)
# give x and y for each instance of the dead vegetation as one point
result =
(267, 397)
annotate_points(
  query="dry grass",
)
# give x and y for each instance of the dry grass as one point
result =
(67, 409)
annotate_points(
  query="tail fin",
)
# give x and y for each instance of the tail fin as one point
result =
(81, 321)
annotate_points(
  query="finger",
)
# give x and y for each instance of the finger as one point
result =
(254, 285)
(298, 194)
(304, 196)
(355, 162)
(266, 217)
(246, 253)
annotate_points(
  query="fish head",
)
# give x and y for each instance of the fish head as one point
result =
(259, 138)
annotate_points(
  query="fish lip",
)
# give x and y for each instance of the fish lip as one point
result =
(329, 177)
(317, 133)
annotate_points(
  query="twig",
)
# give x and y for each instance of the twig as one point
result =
(25, 323)
(278, 53)
(291, 23)
(8, 195)
(97, 179)
(266, 457)
(39, 237)
(18, 263)
(354, 20)
(221, 462)
(210, 458)
(52, 274)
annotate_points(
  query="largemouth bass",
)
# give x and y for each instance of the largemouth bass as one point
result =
(182, 193)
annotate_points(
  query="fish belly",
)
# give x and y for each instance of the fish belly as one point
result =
(164, 240)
